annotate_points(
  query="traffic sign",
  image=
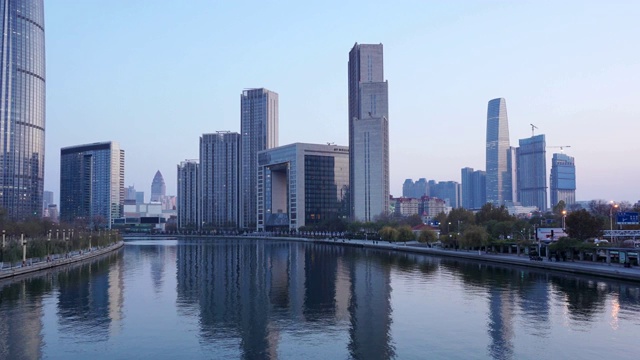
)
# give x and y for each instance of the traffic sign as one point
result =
(627, 218)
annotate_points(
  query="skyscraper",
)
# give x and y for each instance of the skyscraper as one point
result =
(22, 108)
(188, 195)
(498, 187)
(368, 133)
(220, 174)
(302, 185)
(563, 179)
(259, 131)
(532, 172)
(158, 188)
(92, 183)
(466, 179)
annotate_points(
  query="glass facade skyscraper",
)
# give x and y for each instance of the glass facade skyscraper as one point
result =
(259, 131)
(532, 172)
(563, 179)
(499, 189)
(368, 133)
(220, 169)
(22, 108)
(302, 185)
(92, 183)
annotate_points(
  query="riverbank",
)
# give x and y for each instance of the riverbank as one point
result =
(611, 270)
(58, 261)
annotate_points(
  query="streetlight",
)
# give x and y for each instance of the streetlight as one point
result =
(614, 205)
(564, 216)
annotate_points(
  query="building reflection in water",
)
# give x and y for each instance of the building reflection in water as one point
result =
(89, 297)
(21, 320)
(253, 291)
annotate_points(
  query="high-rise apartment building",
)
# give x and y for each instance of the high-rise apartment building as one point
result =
(220, 174)
(368, 133)
(479, 181)
(499, 186)
(158, 188)
(563, 179)
(302, 185)
(474, 188)
(188, 204)
(466, 179)
(532, 172)
(92, 183)
(22, 108)
(449, 191)
(258, 131)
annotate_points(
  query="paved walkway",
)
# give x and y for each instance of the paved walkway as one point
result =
(616, 271)
(44, 265)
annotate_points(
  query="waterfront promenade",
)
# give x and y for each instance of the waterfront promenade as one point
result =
(615, 271)
(57, 260)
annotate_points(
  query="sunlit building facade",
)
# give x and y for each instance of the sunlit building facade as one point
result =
(22, 108)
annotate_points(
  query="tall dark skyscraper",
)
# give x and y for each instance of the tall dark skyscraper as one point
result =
(532, 172)
(499, 187)
(368, 133)
(92, 183)
(158, 187)
(22, 108)
(259, 131)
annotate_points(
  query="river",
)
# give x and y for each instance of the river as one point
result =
(271, 299)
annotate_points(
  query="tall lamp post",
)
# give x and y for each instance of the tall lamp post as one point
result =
(564, 216)
(613, 205)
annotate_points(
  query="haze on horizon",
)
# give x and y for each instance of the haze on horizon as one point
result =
(154, 77)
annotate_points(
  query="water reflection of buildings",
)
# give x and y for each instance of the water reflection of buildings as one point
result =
(90, 300)
(21, 324)
(91, 297)
(253, 291)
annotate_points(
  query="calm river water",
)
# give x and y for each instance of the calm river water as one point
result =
(230, 299)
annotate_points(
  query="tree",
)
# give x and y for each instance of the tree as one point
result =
(388, 233)
(427, 236)
(582, 225)
(413, 220)
(459, 218)
(474, 236)
(405, 234)
(489, 212)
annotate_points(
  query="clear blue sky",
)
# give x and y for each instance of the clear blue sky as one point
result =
(156, 74)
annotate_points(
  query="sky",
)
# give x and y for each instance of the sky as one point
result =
(154, 75)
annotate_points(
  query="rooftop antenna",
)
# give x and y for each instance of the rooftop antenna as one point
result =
(533, 127)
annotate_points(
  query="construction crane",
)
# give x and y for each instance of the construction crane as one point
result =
(533, 127)
(561, 147)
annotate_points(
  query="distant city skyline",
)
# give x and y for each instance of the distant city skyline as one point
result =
(575, 82)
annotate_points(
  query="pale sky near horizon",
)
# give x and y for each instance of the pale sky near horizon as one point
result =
(154, 75)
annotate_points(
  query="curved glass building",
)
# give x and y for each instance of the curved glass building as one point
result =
(22, 107)
(497, 156)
